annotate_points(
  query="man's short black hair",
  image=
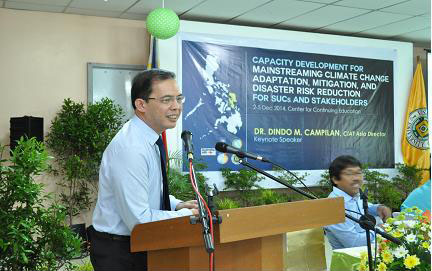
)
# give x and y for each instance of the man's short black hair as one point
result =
(341, 163)
(143, 82)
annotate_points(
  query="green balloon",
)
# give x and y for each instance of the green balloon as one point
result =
(163, 23)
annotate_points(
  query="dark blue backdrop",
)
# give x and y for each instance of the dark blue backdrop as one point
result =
(217, 81)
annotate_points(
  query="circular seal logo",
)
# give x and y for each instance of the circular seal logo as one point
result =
(417, 132)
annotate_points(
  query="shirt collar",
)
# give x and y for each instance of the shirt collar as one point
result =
(149, 134)
(341, 193)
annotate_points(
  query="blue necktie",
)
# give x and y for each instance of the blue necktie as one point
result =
(165, 201)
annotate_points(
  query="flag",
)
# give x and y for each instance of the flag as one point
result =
(153, 63)
(415, 137)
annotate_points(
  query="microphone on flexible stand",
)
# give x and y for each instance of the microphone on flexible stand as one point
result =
(187, 142)
(204, 218)
(367, 223)
(225, 148)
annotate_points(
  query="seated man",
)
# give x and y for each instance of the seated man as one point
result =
(346, 177)
(420, 197)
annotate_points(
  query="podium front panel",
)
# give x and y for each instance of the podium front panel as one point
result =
(253, 255)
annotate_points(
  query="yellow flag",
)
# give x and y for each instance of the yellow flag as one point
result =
(415, 137)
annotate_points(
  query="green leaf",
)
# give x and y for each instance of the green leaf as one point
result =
(32, 232)
(77, 138)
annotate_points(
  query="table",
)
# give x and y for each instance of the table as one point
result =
(346, 259)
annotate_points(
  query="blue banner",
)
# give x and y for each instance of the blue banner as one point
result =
(300, 110)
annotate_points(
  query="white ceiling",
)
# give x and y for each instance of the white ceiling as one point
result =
(402, 20)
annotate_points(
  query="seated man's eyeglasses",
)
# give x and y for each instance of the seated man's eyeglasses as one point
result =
(352, 173)
(169, 99)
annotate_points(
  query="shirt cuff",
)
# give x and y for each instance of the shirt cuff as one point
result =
(373, 209)
(185, 212)
(174, 202)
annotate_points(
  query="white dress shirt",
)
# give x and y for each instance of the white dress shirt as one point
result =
(130, 182)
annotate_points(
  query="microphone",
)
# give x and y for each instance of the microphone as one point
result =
(225, 148)
(187, 142)
(363, 194)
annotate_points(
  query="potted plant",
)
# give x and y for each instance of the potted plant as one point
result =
(407, 179)
(226, 203)
(392, 191)
(247, 191)
(33, 234)
(77, 138)
(179, 183)
(245, 182)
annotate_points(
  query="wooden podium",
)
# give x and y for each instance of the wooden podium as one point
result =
(249, 238)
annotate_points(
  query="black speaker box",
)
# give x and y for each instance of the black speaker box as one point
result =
(26, 126)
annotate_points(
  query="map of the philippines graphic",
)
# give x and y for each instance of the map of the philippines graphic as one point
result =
(217, 111)
(219, 95)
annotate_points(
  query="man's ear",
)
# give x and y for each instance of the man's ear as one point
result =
(334, 180)
(140, 105)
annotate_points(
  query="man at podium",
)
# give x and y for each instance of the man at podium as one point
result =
(346, 177)
(133, 186)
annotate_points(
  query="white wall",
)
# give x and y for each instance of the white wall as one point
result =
(43, 60)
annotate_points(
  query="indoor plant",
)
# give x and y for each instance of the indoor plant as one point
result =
(33, 234)
(78, 137)
(245, 182)
(179, 182)
(391, 191)
(244, 189)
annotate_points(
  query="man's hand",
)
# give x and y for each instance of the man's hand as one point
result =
(384, 212)
(191, 204)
